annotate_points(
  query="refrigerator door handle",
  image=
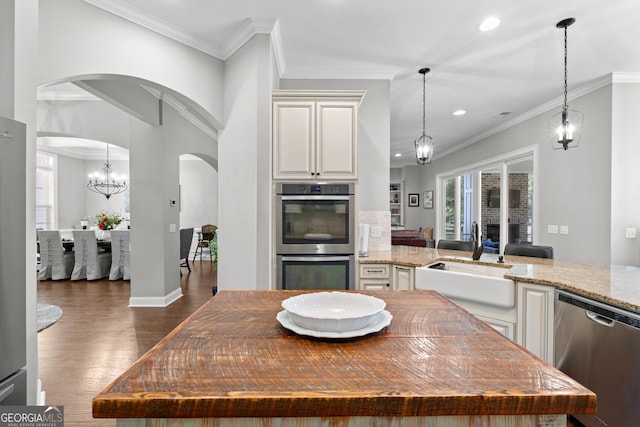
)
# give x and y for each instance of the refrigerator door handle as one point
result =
(6, 392)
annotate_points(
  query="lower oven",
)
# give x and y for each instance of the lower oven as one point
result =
(311, 272)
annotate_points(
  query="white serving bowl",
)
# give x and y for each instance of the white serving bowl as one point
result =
(333, 311)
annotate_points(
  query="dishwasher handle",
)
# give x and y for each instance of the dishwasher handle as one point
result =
(599, 319)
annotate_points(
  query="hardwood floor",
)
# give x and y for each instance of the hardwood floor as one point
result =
(99, 337)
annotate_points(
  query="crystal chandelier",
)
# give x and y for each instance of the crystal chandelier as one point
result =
(107, 182)
(565, 126)
(424, 143)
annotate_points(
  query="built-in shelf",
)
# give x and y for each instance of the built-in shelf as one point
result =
(395, 204)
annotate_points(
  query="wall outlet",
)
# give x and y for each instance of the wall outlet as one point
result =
(564, 229)
(630, 233)
(552, 229)
(376, 232)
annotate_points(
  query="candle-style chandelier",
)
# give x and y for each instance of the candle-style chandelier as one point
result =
(107, 182)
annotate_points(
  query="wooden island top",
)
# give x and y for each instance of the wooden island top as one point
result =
(232, 358)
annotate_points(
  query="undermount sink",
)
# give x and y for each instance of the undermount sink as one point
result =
(480, 283)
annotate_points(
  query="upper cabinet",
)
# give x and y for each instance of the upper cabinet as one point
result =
(315, 135)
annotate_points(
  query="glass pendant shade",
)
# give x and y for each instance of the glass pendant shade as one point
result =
(424, 149)
(565, 128)
(424, 143)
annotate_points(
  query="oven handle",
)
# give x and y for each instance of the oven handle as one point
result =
(316, 258)
(314, 197)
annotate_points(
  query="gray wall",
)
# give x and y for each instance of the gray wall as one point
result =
(574, 186)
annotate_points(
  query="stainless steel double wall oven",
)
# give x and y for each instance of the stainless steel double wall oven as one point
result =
(315, 236)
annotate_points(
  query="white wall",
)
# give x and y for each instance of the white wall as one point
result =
(78, 39)
(198, 193)
(625, 191)
(244, 209)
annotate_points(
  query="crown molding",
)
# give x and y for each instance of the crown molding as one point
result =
(544, 108)
(135, 15)
(341, 73)
(625, 77)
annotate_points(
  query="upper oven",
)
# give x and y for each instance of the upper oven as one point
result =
(314, 218)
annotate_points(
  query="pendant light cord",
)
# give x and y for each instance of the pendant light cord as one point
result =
(424, 84)
(566, 107)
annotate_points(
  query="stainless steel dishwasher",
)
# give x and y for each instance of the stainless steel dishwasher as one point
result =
(599, 346)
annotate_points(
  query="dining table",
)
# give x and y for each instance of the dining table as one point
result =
(104, 245)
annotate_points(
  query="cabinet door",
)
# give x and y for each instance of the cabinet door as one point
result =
(504, 327)
(293, 139)
(336, 140)
(403, 278)
(535, 319)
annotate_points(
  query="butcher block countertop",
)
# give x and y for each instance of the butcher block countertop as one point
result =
(612, 284)
(232, 358)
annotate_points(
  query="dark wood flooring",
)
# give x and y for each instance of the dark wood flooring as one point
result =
(99, 336)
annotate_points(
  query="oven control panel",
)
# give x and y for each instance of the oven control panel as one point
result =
(314, 189)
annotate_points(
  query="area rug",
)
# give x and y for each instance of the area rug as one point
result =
(48, 315)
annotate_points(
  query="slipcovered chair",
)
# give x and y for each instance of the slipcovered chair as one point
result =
(529, 250)
(120, 259)
(55, 263)
(90, 264)
(456, 245)
(186, 235)
(207, 234)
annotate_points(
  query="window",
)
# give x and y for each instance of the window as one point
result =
(497, 194)
(45, 194)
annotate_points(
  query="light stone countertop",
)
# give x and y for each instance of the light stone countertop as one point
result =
(613, 284)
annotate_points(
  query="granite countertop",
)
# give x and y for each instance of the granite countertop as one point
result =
(232, 358)
(612, 284)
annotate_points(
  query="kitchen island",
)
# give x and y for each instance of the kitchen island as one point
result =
(611, 284)
(232, 363)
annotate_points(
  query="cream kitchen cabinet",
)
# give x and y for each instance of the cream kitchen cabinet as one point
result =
(374, 277)
(386, 277)
(402, 278)
(535, 319)
(315, 135)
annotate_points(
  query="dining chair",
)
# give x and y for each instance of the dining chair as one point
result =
(206, 235)
(535, 251)
(90, 263)
(120, 255)
(186, 236)
(55, 262)
(456, 245)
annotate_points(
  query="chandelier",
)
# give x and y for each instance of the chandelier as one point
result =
(424, 143)
(107, 182)
(565, 126)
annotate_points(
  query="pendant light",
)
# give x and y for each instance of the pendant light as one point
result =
(566, 125)
(424, 143)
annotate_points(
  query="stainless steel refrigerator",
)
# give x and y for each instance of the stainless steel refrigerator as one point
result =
(13, 353)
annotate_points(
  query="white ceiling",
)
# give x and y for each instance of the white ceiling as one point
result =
(516, 68)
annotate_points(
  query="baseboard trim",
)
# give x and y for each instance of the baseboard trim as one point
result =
(156, 301)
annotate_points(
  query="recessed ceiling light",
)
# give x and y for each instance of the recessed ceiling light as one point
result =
(398, 154)
(460, 112)
(491, 23)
